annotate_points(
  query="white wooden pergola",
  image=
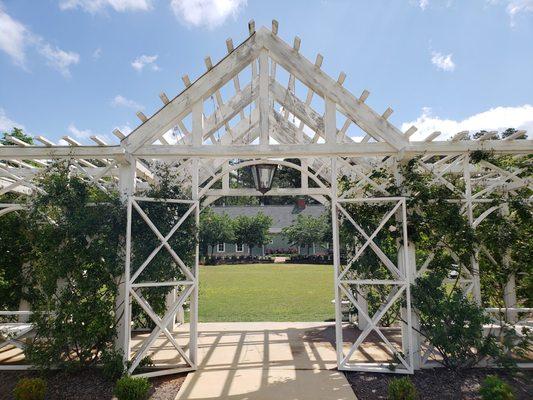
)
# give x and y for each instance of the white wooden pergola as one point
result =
(239, 110)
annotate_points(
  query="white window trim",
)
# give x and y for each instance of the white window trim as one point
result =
(223, 248)
(237, 248)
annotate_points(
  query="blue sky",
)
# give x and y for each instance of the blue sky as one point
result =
(81, 67)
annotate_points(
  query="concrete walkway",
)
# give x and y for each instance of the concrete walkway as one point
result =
(265, 361)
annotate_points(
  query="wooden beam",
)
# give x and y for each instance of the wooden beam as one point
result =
(228, 110)
(251, 27)
(275, 26)
(388, 112)
(378, 149)
(264, 102)
(164, 98)
(167, 117)
(141, 116)
(44, 141)
(341, 78)
(409, 132)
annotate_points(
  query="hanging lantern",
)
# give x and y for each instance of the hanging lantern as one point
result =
(263, 175)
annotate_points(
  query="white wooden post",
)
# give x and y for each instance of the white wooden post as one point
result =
(336, 263)
(197, 132)
(127, 179)
(304, 177)
(362, 323)
(330, 121)
(410, 271)
(264, 102)
(476, 283)
(509, 298)
(509, 293)
(170, 300)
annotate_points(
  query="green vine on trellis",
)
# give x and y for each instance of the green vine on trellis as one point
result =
(438, 224)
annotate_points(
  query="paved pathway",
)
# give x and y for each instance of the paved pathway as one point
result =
(265, 361)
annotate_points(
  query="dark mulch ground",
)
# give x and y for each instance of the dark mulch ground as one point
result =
(440, 384)
(87, 385)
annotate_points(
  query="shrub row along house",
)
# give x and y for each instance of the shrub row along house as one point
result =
(282, 216)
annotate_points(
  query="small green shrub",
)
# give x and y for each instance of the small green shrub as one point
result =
(493, 388)
(128, 388)
(402, 389)
(30, 389)
(112, 364)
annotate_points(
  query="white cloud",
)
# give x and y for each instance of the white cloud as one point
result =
(84, 134)
(15, 39)
(442, 62)
(423, 4)
(516, 7)
(80, 133)
(494, 119)
(145, 61)
(121, 101)
(7, 124)
(94, 6)
(59, 59)
(206, 13)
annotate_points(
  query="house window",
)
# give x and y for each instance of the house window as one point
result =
(239, 248)
(221, 248)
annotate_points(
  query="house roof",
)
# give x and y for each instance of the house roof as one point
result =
(282, 215)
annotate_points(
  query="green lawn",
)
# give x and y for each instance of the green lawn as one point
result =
(266, 292)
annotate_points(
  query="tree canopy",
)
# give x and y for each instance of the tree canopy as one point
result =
(252, 231)
(215, 228)
(307, 230)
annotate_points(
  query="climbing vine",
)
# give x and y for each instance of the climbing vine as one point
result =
(439, 227)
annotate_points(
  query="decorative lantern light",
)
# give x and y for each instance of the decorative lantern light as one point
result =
(263, 175)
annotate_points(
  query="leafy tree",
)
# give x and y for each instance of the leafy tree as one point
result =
(18, 134)
(307, 230)
(214, 229)
(511, 131)
(14, 248)
(252, 231)
(76, 233)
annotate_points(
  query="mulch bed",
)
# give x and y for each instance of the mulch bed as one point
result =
(86, 385)
(440, 384)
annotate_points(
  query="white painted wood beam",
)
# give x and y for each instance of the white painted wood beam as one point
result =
(236, 83)
(251, 27)
(44, 141)
(459, 136)
(330, 121)
(230, 109)
(322, 84)
(264, 101)
(275, 26)
(378, 149)
(166, 118)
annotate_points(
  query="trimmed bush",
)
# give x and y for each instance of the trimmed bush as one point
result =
(112, 364)
(402, 389)
(493, 388)
(30, 389)
(128, 388)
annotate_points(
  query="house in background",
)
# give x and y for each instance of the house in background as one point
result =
(282, 216)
